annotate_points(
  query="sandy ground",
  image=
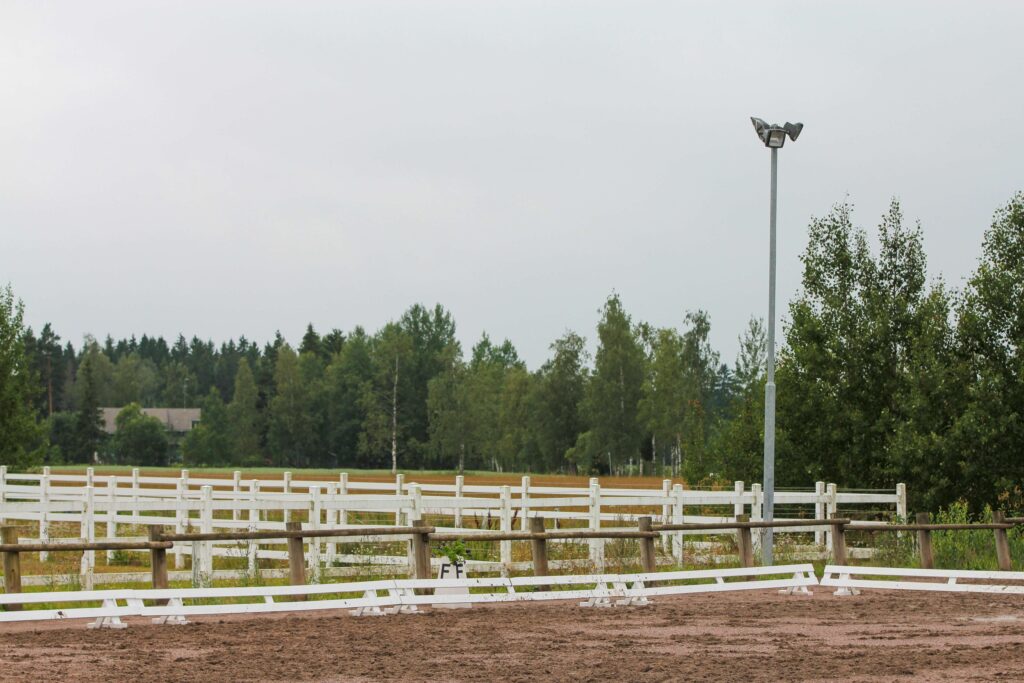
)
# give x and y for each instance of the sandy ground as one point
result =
(750, 636)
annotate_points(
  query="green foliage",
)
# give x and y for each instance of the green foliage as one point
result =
(139, 439)
(209, 442)
(243, 419)
(22, 437)
(613, 394)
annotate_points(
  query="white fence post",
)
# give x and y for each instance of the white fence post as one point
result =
(331, 520)
(206, 527)
(236, 488)
(460, 482)
(756, 508)
(286, 488)
(89, 476)
(88, 534)
(44, 512)
(343, 491)
(399, 487)
(901, 502)
(666, 492)
(506, 526)
(111, 513)
(677, 518)
(313, 561)
(254, 521)
(819, 511)
(135, 495)
(524, 505)
(594, 510)
(737, 506)
(180, 515)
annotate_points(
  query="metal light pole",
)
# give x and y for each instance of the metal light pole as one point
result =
(773, 136)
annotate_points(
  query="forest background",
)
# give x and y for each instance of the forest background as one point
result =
(885, 375)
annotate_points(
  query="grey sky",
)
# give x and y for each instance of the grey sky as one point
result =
(239, 167)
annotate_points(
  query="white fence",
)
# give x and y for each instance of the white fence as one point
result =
(207, 504)
(394, 596)
(849, 580)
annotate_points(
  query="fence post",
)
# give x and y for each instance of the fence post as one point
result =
(819, 511)
(236, 488)
(180, 515)
(505, 547)
(1002, 543)
(254, 519)
(648, 558)
(839, 543)
(286, 487)
(314, 541)
(677, 518)
(738, 508)
(88, 534)
(12, 565)
(206, 527)
(44, 513)
(399, 489)
(924, 541)
(135, 495)
(539, 546)
(111, 513)
(158, 560)
(666, 492)
(596, 544)
(420, 552)
(745, 543)
(332, 523)
(296, 565)
(901, 505)
(343, 491)
(460, 482)
(524, 504)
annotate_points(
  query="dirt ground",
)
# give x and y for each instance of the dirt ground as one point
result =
(749, 636)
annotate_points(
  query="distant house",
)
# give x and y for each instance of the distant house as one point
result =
(176, 420)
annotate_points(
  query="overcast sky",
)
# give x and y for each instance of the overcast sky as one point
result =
(230, 168)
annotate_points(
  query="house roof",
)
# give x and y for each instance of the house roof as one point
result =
(173, 419)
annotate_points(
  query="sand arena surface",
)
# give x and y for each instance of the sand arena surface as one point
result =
(749, 636)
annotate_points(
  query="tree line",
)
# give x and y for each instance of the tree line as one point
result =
(886, 374)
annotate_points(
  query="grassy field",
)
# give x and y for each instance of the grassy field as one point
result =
(421, 476)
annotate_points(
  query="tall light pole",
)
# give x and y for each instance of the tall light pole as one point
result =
(774, 137)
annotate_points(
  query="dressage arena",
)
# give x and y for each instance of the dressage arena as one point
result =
(274, 591)
(741, 636)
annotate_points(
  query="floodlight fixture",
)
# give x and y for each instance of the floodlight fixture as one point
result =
(773, 135)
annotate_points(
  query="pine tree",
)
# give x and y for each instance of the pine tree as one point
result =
(22, 438)
(243, 419)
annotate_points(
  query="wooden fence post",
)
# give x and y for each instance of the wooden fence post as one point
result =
(924, 541)
(539, 547)
(12, 565)
(838, 543)
(1002, 543)
(421, 552)
(158, 560)
(296, 563)
(648, 558)
(746, 543)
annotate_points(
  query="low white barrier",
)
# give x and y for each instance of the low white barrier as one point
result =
(393, 596)
(846, 579)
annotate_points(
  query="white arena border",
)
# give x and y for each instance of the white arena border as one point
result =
(844, 578)
(398, 595)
